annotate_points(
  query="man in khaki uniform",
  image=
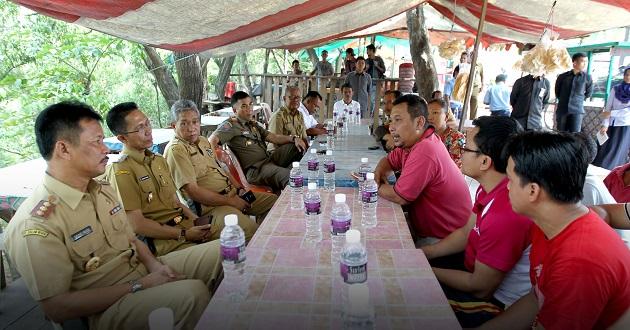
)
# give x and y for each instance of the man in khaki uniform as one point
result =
(247, 139)
(146, 187)
(288, 120)
(74, 248)
(198, 175)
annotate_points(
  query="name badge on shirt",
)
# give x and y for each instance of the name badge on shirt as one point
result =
(115, 210)
(542, 92)
(144, 178)
(81, 233)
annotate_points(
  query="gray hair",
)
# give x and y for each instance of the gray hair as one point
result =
(182, 106)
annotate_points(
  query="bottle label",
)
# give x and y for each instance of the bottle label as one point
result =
(329, 168)
(340, 123)
(340, 226)
(312, 208)
(313, 165)
(234, 255)
(362, 175)
(353, 274)
(369, 197)
(297, 182)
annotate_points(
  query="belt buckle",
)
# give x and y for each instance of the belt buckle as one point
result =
(177, 219)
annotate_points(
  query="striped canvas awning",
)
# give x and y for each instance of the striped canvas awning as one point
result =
(221, 27)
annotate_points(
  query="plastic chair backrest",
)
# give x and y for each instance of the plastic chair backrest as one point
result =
(266, 110)
(229, 160)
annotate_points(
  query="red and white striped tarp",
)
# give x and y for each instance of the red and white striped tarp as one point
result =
(222, 27)
(525, 20)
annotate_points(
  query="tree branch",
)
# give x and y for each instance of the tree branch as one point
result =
(12, 152)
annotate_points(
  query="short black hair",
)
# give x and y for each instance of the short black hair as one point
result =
(295, 61)
(116, 117)
(311, 94)
(324, 51)
(577, 56)
(360, 58)
(370, 47)
(500, 78)
(61, 121)
(396, 93)
(416, 106)
(490, 140)
(346, 85)
(435, 92)
(238, 96)
(350, 50)
(443, 105)
(591, 145)
(463, 53)
(554, 160)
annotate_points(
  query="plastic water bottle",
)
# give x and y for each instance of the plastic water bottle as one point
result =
(313, 166)
(296, 180)
(350, 116)
(233, 255)
(353, 261)
(369, 198)
(340, 125)
(313, 207)
(363, 169)
(330, 135)
(329, 171)
(340, 221)
(357, 312)
(357, 117)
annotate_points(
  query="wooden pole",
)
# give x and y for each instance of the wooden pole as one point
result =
(473, 65)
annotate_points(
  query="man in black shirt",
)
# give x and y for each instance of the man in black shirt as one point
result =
(528, 98)
(572, 89)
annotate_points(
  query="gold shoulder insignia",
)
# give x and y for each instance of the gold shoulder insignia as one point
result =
(35, 232)
(44, 208)
(120, 172)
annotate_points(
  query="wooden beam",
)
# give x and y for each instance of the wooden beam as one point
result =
(473, 64)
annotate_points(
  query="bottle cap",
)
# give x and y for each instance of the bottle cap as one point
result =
(353, 236)
(313, 151)
(369, 176)
(364, 160)
(340, 198)
(312, 185)
(328, 152)
(296, 164)
(231, 220)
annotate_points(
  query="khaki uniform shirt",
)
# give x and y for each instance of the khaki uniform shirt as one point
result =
(144, 182)
(59, 231)
(282, 122)
(246, 139)
(197, 163)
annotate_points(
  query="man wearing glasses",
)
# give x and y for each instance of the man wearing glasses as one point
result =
(146, 188)
(288, 120)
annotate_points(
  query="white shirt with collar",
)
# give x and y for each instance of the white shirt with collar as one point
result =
(341, 107)
(309, 120)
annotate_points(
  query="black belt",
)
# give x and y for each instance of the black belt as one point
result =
(175, 221)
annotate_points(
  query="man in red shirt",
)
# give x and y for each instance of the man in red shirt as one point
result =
(618, 183)
(495, 240)
(580, 268)
(429, 183)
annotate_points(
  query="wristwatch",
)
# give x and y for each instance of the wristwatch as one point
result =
(293, 138)
(182, 236)
(135, 286)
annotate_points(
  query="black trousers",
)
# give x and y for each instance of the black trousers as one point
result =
(568, 122)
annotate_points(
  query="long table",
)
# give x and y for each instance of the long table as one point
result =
(347, 153)
(293, 284)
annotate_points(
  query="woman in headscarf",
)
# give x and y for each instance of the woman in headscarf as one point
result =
(616, 123)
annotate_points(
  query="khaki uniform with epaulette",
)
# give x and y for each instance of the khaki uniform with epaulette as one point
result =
(283, 122)
(247, 139)
(197, 163)
(144, 183)
(64, 240)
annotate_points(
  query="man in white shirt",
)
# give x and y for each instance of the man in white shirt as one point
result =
(346, 106)
(310, 104)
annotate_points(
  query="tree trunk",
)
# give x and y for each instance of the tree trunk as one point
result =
(312, 56)
(245, 72)
(425, 73)
(339, 63)
(191, 82)
(275, 59)
(266, 63)
(224, 74)
(165, 81)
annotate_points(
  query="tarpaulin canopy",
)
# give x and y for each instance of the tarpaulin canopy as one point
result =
(221, 27)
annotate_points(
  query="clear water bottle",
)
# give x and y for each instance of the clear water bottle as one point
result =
(330, 135)
(296, 181)
(357, 117)
(313, 210)
(313, 166)
(340, 221)
(340, 126)
(353, 261)
(369, 198)
(350, 116)
(329, 171)
(357, 311)
(233, 254)
(364, 168)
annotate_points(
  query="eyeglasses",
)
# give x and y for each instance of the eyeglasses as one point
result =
(464, 149)
(142, 129)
